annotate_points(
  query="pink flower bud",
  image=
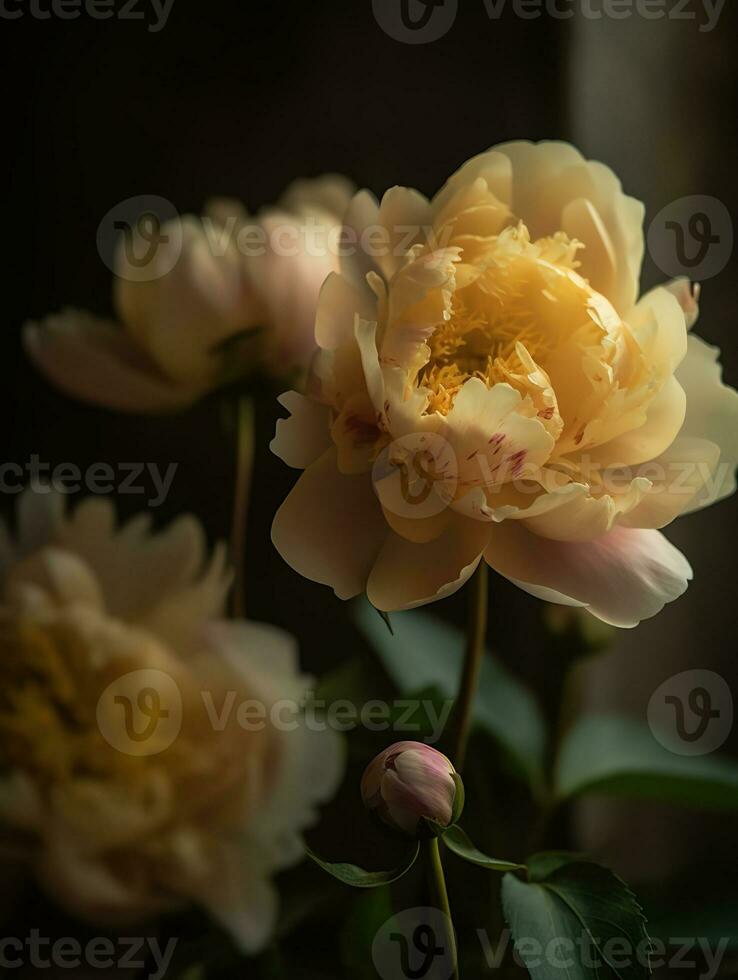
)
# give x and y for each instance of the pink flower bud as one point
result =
(409, 782)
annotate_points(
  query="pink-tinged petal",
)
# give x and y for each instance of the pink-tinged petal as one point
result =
(94, 360)
(409, 801)
(586, 518)
(406, 575)
(688, 296)
(712, 414)
(329, 194)
(425, 782)
(622, 578)
(287, 278)
(493, 441)
(330, 527)
(305, 435)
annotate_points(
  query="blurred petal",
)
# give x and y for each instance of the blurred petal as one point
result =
(712, 414)
(329, 194)
(688, 296)
(94, 360)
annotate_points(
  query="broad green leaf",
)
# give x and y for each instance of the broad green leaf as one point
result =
(457, 841)
(351, 874)
(618, 756)
(427, 653)
(541, 865)
(579, 922)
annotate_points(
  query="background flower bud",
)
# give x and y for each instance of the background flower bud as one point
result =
(410, 782)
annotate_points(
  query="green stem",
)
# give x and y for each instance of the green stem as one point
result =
(476, 633)
(245, 444)
(439, 892)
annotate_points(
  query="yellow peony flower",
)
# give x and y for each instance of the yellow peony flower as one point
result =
(493, 389)
(128, 783)
(218, 297)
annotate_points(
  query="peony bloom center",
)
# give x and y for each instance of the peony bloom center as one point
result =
(497, 324)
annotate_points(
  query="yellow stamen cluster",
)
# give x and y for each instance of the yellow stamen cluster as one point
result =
(47, 724)
(492, 315)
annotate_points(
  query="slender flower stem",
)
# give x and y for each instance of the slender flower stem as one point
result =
(463, 714)
(439, 892)
(476, 633)
(245, 444)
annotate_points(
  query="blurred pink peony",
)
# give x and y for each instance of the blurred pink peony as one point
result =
(221, 295)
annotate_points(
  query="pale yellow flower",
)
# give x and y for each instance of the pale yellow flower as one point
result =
(219, 296)
(494, 390)
(128, 783)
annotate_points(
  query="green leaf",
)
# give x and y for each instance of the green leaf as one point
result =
(351, 874)
(458, 843)
(618, 756)
(427, 653)
(541, 865)
(579, 921)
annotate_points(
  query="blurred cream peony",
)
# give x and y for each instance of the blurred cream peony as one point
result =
(127, 782)
(220, 296)
(494, 389)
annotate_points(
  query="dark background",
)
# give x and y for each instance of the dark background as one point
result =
(239, 98)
